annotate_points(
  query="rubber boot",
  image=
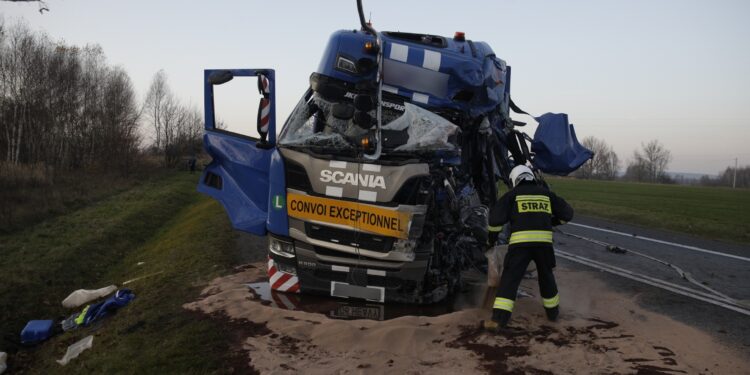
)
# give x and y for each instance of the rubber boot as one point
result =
(552, 313)
(500, 317)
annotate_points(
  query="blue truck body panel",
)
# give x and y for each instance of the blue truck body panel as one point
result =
(278, 221)
(239, 173)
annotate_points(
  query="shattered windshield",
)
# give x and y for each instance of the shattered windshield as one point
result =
(332, 128)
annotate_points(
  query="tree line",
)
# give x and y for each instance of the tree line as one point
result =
(648, 164)
(739, 177)
(66, 108)
(63, 106)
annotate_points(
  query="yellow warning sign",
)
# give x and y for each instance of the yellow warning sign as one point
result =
(352, 214)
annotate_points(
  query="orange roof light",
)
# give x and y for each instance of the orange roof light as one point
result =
(459, 36)
(371, 47)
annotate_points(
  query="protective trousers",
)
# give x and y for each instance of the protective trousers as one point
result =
(514, 267)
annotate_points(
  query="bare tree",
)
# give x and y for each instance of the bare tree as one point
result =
(63, 106)
(154, 106)
(176, 127)
(650, 163)
(604, 165)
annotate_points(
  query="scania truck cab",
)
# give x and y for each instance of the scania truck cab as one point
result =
(377, 186)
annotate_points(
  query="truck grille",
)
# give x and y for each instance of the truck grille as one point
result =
(381, 244)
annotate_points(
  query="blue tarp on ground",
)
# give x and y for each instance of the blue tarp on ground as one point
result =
(556, 148)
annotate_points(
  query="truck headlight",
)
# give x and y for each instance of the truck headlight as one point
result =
(281, 248)
(345, 64)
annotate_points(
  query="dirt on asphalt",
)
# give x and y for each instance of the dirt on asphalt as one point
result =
(599, 331)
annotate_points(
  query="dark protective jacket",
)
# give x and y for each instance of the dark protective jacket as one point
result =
(532, 210)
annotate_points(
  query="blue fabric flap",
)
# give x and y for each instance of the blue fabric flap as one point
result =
(556, 148)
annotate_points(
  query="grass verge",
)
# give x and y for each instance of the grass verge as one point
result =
(709, 212)
(165, 226)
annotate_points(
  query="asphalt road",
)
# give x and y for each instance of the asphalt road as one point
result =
(729, 275)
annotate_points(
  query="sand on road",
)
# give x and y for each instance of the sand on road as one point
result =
(599, 331)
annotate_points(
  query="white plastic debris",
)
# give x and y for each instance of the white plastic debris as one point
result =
(3, 359)
(81, 296)
(76, 349)
(142, 277)
(427, 131)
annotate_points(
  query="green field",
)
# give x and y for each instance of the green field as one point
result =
(168, 228)
(710, 212)
(166, 225)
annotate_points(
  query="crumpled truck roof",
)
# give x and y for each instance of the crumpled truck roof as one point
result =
(444, 73)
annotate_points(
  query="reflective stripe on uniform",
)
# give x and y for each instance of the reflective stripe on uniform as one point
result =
(551, 302)
(530, 236)
(503, 304)
(82, 315)
(532, 198)
(498, 228)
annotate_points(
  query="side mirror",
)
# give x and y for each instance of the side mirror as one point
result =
(220, 77)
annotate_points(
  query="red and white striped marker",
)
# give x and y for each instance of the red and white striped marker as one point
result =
(281, 281)
(265, 109)
(265, 104)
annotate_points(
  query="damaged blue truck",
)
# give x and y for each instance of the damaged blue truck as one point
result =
(378, 184)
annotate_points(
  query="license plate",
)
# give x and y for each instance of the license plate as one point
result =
(369, 293)
(358, 312)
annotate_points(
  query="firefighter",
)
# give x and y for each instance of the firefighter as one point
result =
(531, 210)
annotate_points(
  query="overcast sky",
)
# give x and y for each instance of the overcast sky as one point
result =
(625, 71)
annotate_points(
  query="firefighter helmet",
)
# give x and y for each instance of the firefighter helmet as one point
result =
(519, 173)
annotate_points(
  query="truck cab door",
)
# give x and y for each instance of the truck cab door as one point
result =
(241, 147)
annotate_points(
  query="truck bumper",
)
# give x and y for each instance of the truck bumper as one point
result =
(318, 272)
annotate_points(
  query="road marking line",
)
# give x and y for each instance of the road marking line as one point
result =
(694, 248)
(674, 288)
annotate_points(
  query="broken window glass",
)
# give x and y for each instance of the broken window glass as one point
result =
(427, 131)
(313, 124)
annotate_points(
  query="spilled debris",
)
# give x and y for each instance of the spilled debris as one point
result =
(81, 296)
(629, 340)
(75, 349)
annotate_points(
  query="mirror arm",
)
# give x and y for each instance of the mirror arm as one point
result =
(264, 145)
